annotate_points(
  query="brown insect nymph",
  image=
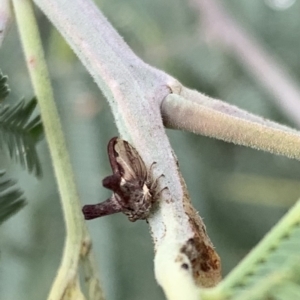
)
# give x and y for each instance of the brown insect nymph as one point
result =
(131, 183)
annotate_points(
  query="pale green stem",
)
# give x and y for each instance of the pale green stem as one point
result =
(75, 227)
(206, 121)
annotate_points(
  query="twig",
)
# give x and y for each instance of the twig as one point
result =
(179, 112)
(231, 110)
(66, 282)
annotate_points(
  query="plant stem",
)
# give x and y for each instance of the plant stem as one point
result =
(179, 112)
(76, 231)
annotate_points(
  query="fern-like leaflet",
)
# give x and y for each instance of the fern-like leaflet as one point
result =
(11, 198)
(19, 134)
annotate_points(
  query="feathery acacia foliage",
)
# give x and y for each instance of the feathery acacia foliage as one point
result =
(19, 134)
(275, 275)
(11, 198)
(271, 269)
(4, 90)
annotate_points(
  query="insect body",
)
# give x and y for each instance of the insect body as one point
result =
(131, 183)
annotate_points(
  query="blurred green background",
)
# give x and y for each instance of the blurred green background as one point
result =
(241, 193)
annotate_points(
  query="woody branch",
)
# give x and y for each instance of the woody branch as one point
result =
(136, 93)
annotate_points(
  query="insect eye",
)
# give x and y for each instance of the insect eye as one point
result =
(185, 266)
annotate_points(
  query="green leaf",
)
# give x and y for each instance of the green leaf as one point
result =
(277, 278)
(19, 134)
(271, 270)
(4, 89)
(11, 198)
